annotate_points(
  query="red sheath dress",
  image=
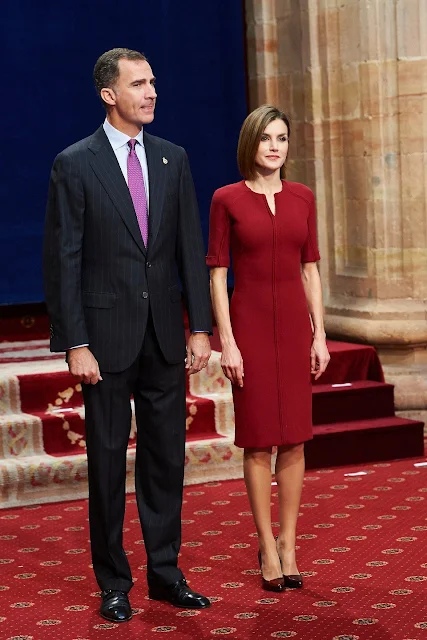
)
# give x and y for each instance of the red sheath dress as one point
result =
(269, 313)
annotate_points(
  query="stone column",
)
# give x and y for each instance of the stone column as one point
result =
(353, 75)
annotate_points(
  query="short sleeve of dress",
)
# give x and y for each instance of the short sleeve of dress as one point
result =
(219, 234)
(310, 250)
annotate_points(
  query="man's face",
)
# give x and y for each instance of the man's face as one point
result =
(134, 95)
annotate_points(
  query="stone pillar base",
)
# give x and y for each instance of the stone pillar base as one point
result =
(406, 368)
(400, 323)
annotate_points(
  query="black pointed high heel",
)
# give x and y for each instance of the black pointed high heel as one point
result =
(276, 584)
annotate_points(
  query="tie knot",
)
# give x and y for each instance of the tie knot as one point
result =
(132, 143)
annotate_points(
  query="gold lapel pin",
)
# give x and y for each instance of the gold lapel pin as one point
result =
(165, 160)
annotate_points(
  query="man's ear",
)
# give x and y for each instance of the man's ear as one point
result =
(108, 96)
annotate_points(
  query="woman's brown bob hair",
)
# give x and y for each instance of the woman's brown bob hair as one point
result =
(250, 136)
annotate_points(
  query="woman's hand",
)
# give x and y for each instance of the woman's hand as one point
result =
(232, 364)
(319, 356)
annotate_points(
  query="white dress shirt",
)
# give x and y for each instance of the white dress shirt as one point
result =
(119, 142)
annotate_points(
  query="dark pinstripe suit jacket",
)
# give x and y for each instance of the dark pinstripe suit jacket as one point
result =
(99, 277)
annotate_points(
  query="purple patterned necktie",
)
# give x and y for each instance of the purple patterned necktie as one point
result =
(137, 190)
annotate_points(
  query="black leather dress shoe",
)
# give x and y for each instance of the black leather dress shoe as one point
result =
(179, 594)
(115, 606)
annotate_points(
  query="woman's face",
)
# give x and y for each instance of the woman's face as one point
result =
(273, 147)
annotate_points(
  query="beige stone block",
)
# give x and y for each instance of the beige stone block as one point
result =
(332, 104)
(264, 11)
(298, 146)
(284, 85)
(410, 29)
(314, 137)
(384, 180)
(390, 322)
(392, 283)
(262, 91)
(337, 181)
(378, 30)
(348, 286)
(289, 44)
(333, 139)
(349, 21)
(409, 377)
(350, 91)
(296, 170)
(415, 270)
(309, 103)
(386, 217)
(251, 52)
(378, 88)
(355, 234)
(329, 37)
(388, 266)
(287, 8)
(419, 270)
(355, 177)
(412, 138)
(310, 146)
(412, 77)
(315, 106)
(385, 220)
(266, 37)
(353, 138)
(412, 175)
(381, 136)
(327, 5)
(299, 96)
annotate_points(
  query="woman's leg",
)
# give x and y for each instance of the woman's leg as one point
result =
(290, 467)
(257, 472)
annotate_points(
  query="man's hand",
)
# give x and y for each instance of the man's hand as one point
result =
(83, 365)
(198, 352)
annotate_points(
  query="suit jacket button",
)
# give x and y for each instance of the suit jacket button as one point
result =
(149, 264)
(144, 294)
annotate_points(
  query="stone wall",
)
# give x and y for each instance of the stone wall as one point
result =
(352, 74)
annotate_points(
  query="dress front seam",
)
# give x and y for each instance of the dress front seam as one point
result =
(275, 321)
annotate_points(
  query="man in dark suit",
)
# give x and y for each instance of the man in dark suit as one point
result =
(122, 229)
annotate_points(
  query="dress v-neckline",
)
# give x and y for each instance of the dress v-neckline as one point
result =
(263, 195)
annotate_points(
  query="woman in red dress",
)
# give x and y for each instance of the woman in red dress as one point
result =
(272, 333)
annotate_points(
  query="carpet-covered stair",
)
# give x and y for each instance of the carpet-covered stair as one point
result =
(42, 433)
(355, 422)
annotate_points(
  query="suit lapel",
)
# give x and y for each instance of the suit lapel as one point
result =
(157, 172)
(107, 169)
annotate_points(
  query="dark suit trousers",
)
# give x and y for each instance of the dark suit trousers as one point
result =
(159, 394)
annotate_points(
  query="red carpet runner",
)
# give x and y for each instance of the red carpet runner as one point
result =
(362, 541)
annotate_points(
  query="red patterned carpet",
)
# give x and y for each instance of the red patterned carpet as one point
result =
(42, 431)
(362, 538)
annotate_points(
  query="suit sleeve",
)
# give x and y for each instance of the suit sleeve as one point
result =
(310, 250)
(62, 256)
(191, 255)
(219, 235)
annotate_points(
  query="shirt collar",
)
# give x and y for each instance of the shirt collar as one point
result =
(118, 138)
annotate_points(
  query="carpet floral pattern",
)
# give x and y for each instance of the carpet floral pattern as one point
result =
(362, 540)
